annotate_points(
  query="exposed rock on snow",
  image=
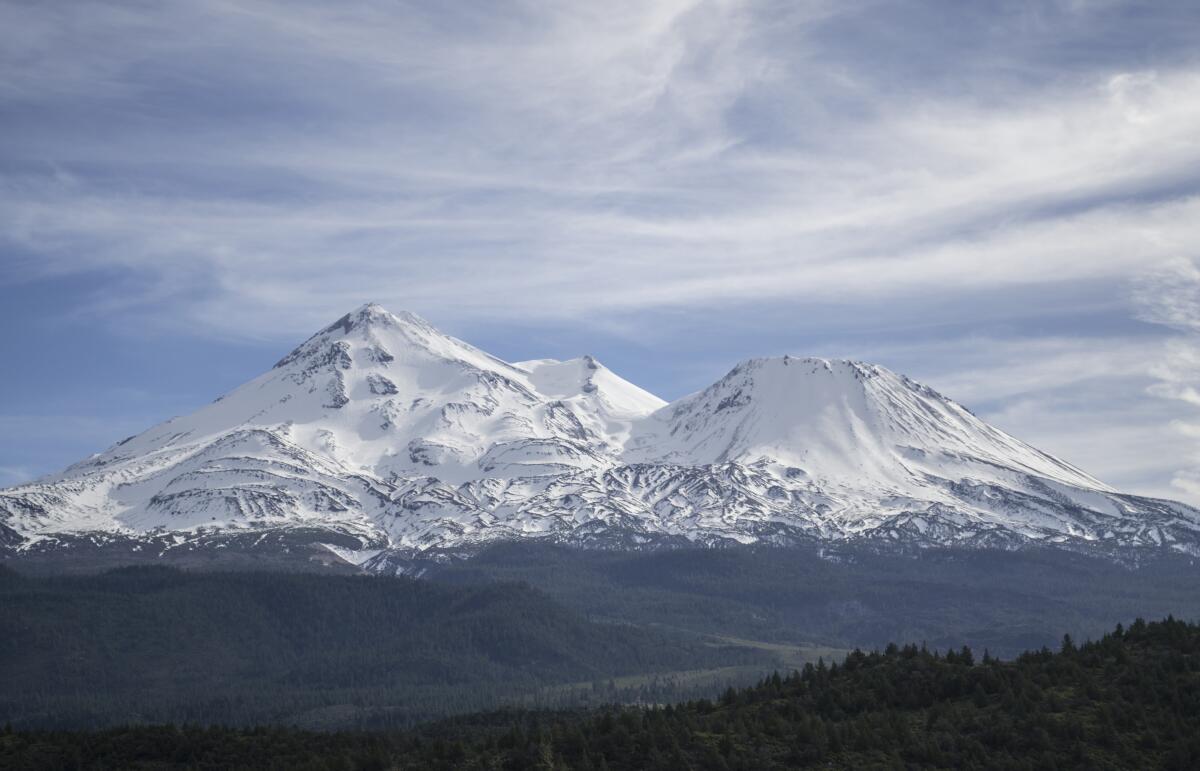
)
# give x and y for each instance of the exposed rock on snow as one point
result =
(383, 432)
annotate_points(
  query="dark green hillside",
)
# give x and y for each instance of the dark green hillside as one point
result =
(854, 596)
(153, 644)
(1128, 701)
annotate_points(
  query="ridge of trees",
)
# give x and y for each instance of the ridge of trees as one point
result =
(1130, 699)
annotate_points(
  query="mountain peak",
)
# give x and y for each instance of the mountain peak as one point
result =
(843, 420)
(384, 429)
(586, 377)
(387, 334)
(374, 314)
(811, 364)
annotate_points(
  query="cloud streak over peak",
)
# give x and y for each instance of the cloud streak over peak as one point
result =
(778, 176)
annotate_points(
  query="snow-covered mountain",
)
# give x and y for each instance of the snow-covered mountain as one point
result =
(383, 439)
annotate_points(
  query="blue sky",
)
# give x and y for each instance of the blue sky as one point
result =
(999, 199)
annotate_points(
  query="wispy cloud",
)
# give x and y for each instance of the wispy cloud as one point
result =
(14, 475)
(252, 168)
(677, 152)
(1171, 296)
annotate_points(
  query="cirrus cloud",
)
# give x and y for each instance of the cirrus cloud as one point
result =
(249, 169)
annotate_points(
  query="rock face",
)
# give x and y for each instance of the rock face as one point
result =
(384, 439)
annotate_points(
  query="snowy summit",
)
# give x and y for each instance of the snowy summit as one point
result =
(381, 439)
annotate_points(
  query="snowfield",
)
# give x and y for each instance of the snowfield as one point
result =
(394, 439)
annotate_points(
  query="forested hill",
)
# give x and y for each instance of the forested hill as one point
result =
(1129, 700)
(157, 645)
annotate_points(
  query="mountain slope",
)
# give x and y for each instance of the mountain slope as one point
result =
(154, 644)
(388, 441)
(1127, 700)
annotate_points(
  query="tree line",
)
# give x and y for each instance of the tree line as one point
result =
(1130, 699)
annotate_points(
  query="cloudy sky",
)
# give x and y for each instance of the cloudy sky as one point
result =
(999, 199)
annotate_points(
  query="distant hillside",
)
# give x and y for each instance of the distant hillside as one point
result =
(153, 644)
(1007, 601)
(1129, 700)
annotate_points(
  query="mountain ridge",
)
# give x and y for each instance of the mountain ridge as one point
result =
(399, 441)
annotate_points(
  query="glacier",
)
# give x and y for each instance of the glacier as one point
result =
(380, 439)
